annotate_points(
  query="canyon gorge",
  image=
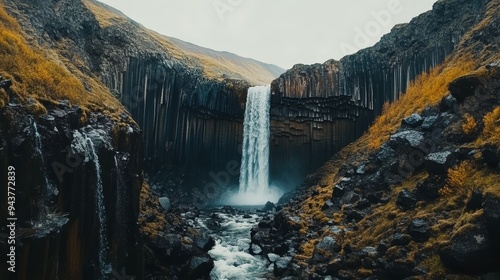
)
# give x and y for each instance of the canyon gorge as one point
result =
(154, 109)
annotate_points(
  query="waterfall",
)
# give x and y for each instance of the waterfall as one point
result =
(254, 186)
(42, 215)
(101, 211)
(254, 171)
(38, 141)
(83, 144)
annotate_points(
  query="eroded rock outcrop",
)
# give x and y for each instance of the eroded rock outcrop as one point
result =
(77, 190)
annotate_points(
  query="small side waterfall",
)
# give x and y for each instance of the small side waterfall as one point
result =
(101, 212)
(51, 189)
(44, 189)
(83, 144)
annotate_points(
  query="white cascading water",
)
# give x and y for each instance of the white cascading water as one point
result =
(51, 189)
(232, 261)
(254, 171)
(42, 217)
(101, 212)
(83, 144)
(38, 140)
(254, 188)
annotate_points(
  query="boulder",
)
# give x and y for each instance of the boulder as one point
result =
(419, 230)
(281, 265)
(266, 224)
(385, 154)
(167, 241)
(165, 203)
(428, 189)
(429, 122)
(272, 257)
(198, 268)
(255, 249)
(414, 120)
(328, 204)
(204, 242)
(371, 252)
(470, 251)
(400, 239)
(440, 162)
(269, 207)
(325, 248)
(338, 191)
(353, 215)
(228, 209)
(382, 247)
(406, 200)
(464, 87)
(412, 137)
(447, 103)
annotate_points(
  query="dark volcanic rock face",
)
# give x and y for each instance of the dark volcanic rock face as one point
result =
(77, 192)
(186, 119)
(318, 109)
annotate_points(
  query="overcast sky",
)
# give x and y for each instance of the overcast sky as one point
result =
(282, 32)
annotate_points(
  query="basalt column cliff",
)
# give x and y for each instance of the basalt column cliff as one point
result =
(318, 109)
(188, 100)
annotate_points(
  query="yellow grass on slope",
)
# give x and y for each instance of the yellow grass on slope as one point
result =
(491, 132)
(426, 90)
(37, 78)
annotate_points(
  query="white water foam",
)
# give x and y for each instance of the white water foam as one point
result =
(254, 186)
(231, 258)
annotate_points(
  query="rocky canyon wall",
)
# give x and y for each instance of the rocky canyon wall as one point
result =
(318, 109)
(76, 191)
(187, 120)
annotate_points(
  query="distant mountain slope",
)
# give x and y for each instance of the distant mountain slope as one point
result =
(216, 64)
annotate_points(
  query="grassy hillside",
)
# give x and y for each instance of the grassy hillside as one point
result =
(39, 79)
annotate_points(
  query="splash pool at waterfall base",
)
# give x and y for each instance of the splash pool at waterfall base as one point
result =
(251, 198)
